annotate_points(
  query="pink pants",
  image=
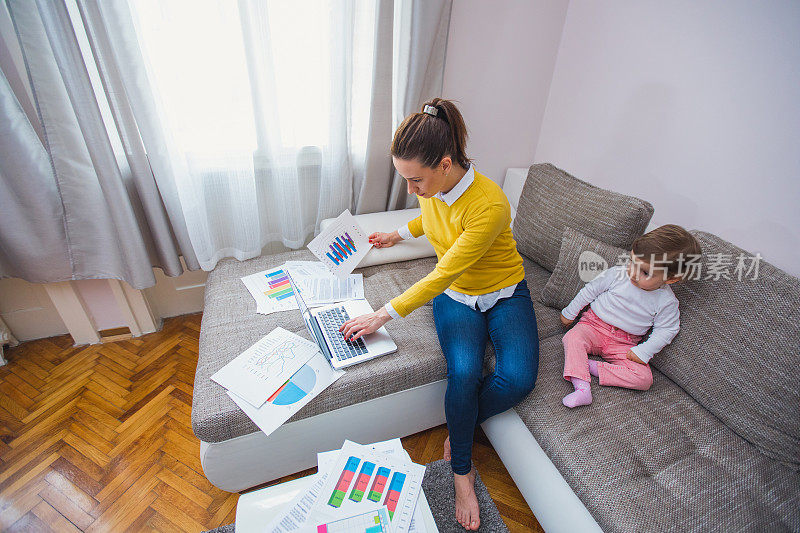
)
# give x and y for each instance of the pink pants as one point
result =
(593, 336)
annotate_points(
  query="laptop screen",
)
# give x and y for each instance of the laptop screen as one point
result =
(297, 296)
(309, 320)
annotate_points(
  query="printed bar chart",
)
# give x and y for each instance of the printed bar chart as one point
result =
(279, 286)
(340, 490)
(393, 495)
(342, 247)
(395, 486)
(360, 487)
(378, 484)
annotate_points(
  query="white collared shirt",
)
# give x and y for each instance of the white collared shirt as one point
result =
(482, 302)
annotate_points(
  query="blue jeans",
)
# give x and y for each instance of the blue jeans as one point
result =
(471, 398)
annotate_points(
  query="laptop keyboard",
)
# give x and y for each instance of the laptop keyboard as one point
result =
(331, 320)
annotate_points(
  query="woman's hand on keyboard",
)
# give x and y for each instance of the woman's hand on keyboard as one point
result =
(365, 324)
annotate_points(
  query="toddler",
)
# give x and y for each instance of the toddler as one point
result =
(624, 302)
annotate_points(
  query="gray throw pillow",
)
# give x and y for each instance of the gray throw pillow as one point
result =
(552, 200)
(580, 260)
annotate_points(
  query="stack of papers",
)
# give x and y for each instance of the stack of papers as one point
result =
(276, 377)
(273, 292)
(374, 488)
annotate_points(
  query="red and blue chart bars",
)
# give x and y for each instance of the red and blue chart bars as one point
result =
(339, 491)
(393, 496)
(360, 487)
(378, 484)
(341, 248)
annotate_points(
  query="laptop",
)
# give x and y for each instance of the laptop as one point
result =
(323, 324)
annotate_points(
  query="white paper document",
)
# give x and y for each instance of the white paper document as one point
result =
(320, 287)
(261, 369)
(341, 246)
(295, 518)
(325, 460)
(271, 290)
(311, 379)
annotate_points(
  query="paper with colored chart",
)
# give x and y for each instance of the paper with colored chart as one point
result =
(423, 519)
(271, 290)
(362, 480)
(261, 369)
(296, 515)
(312, 378)
(341, 246)
(369, 522)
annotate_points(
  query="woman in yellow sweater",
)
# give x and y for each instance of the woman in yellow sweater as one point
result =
(478, 286)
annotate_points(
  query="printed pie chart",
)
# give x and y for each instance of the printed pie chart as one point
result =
(294, 390)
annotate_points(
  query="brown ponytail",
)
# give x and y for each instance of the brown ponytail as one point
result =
(428, 138)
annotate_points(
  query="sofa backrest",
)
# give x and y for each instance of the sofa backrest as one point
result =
(553, 199)
(738, 349)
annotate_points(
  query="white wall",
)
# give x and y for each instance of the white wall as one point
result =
(101, 306)
(499, 64)
(179, 295)
(28, 311)
(693, 106)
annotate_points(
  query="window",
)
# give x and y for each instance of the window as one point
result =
(279, 69)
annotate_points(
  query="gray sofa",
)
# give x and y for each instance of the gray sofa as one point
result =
(714, 445)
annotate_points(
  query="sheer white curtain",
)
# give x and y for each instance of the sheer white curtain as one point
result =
(265, 107)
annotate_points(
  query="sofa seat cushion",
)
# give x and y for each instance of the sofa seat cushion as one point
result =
(230, 325)
(657, 460)
(738, 349)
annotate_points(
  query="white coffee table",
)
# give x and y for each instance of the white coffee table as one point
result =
(255, 509)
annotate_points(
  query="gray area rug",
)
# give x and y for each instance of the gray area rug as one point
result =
(441, 496)
(222, 529)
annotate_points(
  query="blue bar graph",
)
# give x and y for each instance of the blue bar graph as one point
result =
(341, 248)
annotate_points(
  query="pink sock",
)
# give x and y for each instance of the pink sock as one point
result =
(581, 396)
(593, 367)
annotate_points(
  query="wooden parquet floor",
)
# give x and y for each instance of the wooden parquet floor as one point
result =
(99, 438)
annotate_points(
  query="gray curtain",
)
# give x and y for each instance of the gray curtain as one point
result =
(78, 199)
(422, 64)
(415, 66)
(372, 186)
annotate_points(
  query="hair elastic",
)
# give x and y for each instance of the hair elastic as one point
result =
(431, 110)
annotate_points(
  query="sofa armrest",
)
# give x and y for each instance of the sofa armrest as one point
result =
(512, 186)
(389, 221)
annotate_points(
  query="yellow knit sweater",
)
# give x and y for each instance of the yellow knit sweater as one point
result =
(473, 241)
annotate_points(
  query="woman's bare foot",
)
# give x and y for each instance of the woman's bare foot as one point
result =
(467, 510)
(446, 455)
